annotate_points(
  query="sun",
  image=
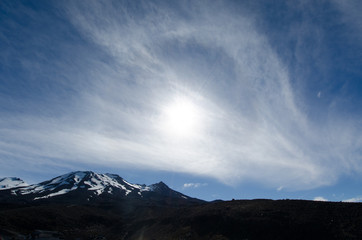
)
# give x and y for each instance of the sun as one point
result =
(181, 118)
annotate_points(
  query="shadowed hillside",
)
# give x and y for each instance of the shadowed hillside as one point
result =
(243, 219)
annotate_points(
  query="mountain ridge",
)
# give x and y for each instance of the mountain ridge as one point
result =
(88, 186)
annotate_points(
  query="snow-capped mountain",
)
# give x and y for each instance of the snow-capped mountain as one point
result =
(87, 185)
(11, 182)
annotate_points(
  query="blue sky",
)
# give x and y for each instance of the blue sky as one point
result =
(220, 100)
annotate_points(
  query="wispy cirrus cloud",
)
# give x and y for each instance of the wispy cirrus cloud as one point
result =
(351, 17)
(255, 123)
(194, 185)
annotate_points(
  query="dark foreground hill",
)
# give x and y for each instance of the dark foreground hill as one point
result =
(135, 219)
(259, 219)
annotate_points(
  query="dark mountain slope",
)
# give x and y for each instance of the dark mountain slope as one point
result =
(255, 219)
(135, 219)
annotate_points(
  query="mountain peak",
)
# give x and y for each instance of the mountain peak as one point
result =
(88, 186)
(160, 186)
(11, 182)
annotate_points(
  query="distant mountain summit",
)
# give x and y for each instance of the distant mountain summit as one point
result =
(87, 186)
(11, 182)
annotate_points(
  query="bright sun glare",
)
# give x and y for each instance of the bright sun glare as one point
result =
(181, 118)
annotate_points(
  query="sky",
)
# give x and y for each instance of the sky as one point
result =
(218, 99)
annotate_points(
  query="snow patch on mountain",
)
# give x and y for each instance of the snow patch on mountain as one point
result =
(11, 182)
(63, 191)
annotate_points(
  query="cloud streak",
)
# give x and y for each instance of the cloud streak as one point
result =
(355, 199)
(320, 199)
(194, 185)
(254, 123)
